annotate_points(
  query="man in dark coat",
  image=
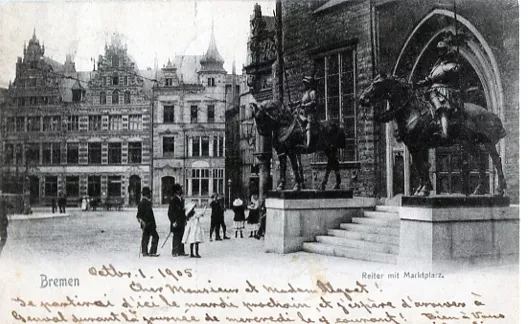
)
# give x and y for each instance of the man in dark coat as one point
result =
(177, 220)
(62, 204)
(145, 217)
(216, 213)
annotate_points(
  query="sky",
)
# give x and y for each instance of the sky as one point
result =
(150, 29)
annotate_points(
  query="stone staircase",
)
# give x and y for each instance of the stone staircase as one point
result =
(374, 237)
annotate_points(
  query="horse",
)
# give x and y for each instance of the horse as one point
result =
(473, 127)
(279, 123)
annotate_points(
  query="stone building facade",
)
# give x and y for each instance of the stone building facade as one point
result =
(189, 127)
(344, 44)
(76, 133)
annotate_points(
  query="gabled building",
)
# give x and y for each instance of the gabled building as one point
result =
(190, 101)
(76, 133)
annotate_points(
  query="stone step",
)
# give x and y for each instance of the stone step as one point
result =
(368, 228)
(375, 221)
(348, 252)
(364, 236)
(388, 208)
(359, 244)
(382, 215)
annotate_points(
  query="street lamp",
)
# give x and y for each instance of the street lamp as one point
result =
(229, 192)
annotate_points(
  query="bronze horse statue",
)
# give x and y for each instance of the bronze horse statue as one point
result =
(287, 138)
(475, 129)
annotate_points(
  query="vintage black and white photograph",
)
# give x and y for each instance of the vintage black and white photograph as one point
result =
(243, 161)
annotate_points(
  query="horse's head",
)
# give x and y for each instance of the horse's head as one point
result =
(383, 87)
(264, 115)
(380, 89)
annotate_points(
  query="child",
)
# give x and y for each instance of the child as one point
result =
(193, 229)
(253, 217)
(239, 210)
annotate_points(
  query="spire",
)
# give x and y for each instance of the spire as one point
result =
(212, 60)
(233, 68)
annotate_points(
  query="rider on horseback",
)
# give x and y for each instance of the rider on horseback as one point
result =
(444, 91)
(308, 110)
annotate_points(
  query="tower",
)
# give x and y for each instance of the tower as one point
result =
(212, 71)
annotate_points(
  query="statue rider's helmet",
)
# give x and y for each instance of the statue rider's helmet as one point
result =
(446, 46)
(308, 81)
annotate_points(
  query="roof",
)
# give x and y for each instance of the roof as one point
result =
(188, 66)
(212, 60)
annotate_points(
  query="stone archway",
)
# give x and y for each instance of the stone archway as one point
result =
(483, 78)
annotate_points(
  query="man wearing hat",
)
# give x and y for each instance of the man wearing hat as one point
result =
(308, 109)
(145, 217)
(444, 91)
(177, 220)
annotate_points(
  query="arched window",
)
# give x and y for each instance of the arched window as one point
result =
(127, 97)
(102, 98)
(115, 97)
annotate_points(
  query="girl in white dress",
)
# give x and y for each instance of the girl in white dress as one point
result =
(193, 234)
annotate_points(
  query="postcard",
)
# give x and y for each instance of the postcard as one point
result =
(353, 161)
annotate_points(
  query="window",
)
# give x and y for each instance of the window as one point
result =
(20, 124)
(77, 95)
(73, 123)
(195, 146)
(55, 153)
(336, 86)
(205, 145)
(221, 146)
(218, 181)
(72, 186)
(168, 82)
(51, 153)
(9, 154)
(115, 79)
(200, 182)
(211, 82)
(194, 114)
(10, 124)
(114, 186)
(94, 153)
(115, 97)
(56, 123)
(210, 113)
(102, 97)
(168, 114)
(94, 123)
(33, 154)
(94, 186)
(50, 186)
(72, 153)
(134, 152)
(19, 153)
(114, 153)
(114, 122)
(33, 124)
(168, 147)
(127, 97)
(134, 122)
(125, 82)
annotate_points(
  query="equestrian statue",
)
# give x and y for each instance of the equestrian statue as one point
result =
(297, 130)
(441, 118)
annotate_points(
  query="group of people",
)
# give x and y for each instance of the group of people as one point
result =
(61, 201)
(186, 224)
(256, 219)
(87, 202)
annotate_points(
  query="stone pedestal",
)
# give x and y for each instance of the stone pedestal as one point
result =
(446, 231)
(296, 217)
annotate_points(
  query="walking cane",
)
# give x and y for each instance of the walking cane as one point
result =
(170, 232)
